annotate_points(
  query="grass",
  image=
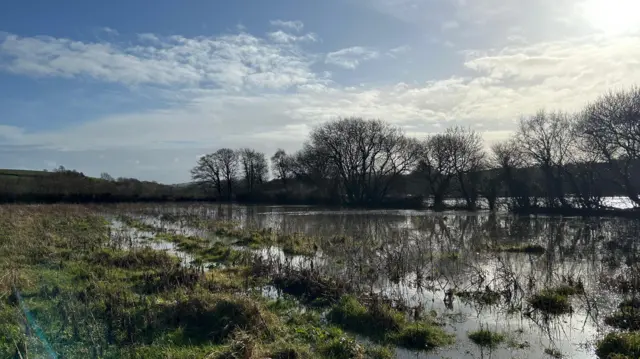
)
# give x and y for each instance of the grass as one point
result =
(486, 338)
(627, 317)
(555, 300)
(94, 297)
(383, 323)
(375, 321)
(619, 346)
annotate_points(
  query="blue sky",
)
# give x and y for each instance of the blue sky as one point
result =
(141, 90)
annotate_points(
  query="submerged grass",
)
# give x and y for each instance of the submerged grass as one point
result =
(486, 338)
(555, 300)
(94, 295)
(484, 297)
(627, 317)
(522, 248)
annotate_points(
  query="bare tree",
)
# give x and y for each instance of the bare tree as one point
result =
(546, 140)
(106, 177)
(366, 156)
(313, 166)
(510, 160)
(229, 167)
(455, 154)
(208, 172)
(282, 166)
(468, 157)
(254, 166)
(610, 129)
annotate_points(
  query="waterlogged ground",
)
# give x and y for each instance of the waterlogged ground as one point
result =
(470, 271)
(223, 281)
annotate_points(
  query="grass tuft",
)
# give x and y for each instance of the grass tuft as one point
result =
(422, 336)
(627, 317)
(619, 346)
(555, 300)
(486, 338)
(375, 322)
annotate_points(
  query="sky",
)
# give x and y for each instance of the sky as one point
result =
(142, 89)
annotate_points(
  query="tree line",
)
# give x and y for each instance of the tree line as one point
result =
(64, 185)
(554, 161)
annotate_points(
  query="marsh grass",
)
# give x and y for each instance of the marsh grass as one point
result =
(556, 300)
(627, 317)
(619, 346)
(486, 338)
(96, 294)
(382, 323)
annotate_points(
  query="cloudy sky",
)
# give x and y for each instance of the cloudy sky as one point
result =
(141, 90)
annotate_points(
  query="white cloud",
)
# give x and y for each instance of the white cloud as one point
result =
(286, 38)
(229, 61)
(147, 37)
(292, 25)
(352, 57)
(400, 50)
(229, 91)
(110, 31)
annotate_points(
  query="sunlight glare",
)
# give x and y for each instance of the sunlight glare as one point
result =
(613, 16)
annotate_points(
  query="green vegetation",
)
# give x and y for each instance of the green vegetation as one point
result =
(381, 322)
(619, 346)
(91, 295)
(62, 185)
(627, 317)
(376, 321)
(486, 338)
(422, 335)
(555, 300)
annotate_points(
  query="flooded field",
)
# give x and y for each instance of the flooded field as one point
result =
(227, 281)
(471, 271)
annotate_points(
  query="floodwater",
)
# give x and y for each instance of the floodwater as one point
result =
(415, 257)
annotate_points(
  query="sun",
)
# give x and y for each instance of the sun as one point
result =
(613, 16)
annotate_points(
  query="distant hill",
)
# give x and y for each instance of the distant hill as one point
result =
(24, 173)
(71, 186)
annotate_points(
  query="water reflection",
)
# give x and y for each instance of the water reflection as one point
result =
(421, 258)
